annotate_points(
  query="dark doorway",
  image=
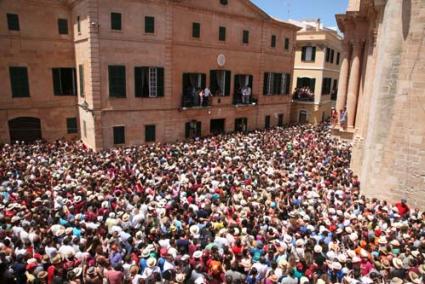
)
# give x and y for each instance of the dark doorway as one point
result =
(302, 118)
(217, 126)
(267, 122)
(27, 129)
(193, 129)
(241, 124)
(280, 119)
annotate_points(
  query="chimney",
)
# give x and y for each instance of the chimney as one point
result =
(318, 24)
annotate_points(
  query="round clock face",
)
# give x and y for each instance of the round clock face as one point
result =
(221, 59)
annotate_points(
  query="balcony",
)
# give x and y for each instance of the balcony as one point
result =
(239, 100)
(195, 101)
(303, 95)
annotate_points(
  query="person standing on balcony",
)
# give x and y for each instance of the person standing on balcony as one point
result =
(207, 95)
(343, 118)
(246, 93)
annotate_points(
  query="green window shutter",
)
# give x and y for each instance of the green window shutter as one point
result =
(299, 83)
(196, 30)
(277, 83)
(198, 128)
(150, 25)
(138, 82)
(313, 56)
(286, 43)
(117, 82)
(312, 84)
(288, 83)
(222, 33)
(19, 82)
(213, 82)
(245, 37)
(119, 135)
(63, 26)
(81, 73)
(116, 21)
(150, 133)
(228, 78)
(266, 83)
(203, 81)
(273, 43)
(57, 89)
(71, 125)
(303, 53)
(160, 81)
(13, 22)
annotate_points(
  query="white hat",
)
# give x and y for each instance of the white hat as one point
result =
(151, 262)
(194, 231)
(382, 240)
(356, 259)
(342, 258)
(336, 265)
(317, 249)
(197, 254)
(363, 253)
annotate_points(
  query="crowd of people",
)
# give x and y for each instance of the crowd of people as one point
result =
(303, 94)
(272, 206)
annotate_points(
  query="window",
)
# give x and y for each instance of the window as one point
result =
(13, 22)
(242, 89)
(220, 82)
(222, 33)
(273, 43)
(241, 124)
(78, 24)
(280, 119)
(328, 54)
(332, 55)
(150, 133)
(115, 21)
(149, 82)
(193, 129)
(337, 58)
(71, 125)
(308, 53)
(276, 83)
(196, 30)
(245, 37)
(223, 2)
(286, 43)
(119, 135)
(117, 86)
(64, 81)
(19, 82)
(192, 84)
(305, 82)
(267, 122)
(150, 25)
(63, 26)
(84, 128)
(81, 73)
(326, 86)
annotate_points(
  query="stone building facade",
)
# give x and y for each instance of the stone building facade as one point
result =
(316, 72)
(129, 72)
(382, 83)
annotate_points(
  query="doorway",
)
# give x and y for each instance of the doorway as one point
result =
(27, 129)
(280, 120)
(241, 124)
(217, 126)
(302, 118)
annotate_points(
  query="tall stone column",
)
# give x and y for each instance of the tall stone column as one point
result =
(341, 98)
(353, 84)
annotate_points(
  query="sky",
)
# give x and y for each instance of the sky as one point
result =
(304, 9)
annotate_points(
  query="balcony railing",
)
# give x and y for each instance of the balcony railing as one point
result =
(303, 98)
(248, 100)
(195, 101)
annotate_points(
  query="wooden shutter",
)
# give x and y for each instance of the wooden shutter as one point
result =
(312, 84)
(13, 22)
(63, 26)
(116, 21)
(203, 81)
(299, 83)
(213, 82)
(303, 53)
(287, 83)
(196, 30)
(56, 74)
(266, 83)
(119, 134)
(227, 83)
(19, 82)
(187, 130)
(81, 73)
(313, 54)
(222, 33)
(117, 82)
(149, 24)
(198, 129)
(160, 82)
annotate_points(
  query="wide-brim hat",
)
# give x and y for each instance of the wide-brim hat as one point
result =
(194, 230)
(197, 254)
(151, 262)
(398, 263)
(145, 253)
(396, 280)
(57, 259)
(125, 217)
(382, 240)
(318, 249)
(414, 277)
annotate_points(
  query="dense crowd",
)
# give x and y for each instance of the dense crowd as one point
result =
(274, 206)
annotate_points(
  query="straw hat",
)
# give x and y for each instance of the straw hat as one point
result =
(336, 265)
(180, 277)
(382, 240)
(283, 263)
(396, 280)
(395, 243)
(125, 217)
(57, 259)
(356, 259)
(151, 262)
(145, 253)
(194, 231)
(197, 254)
(398, 263)
(42, 274)
(246, 263)
(414, 277)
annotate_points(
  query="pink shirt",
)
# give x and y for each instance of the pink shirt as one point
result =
(114, 276)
